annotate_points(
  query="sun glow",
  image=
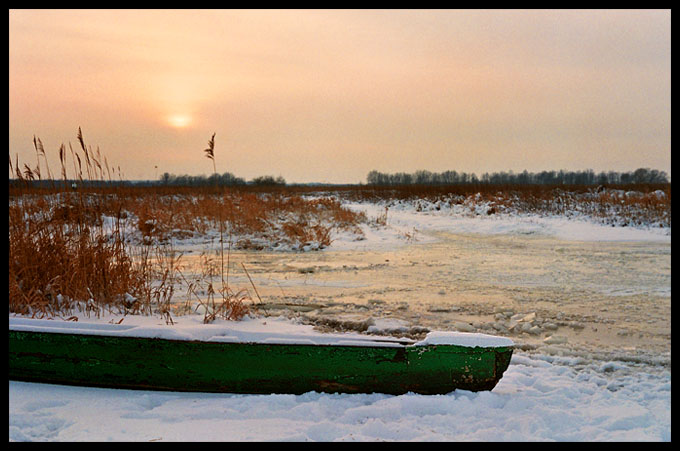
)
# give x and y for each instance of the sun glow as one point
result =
(179, 120)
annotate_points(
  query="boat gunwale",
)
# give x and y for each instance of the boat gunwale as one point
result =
(379, 344)
(351, 340)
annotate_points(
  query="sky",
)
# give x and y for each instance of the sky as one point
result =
(329, 95)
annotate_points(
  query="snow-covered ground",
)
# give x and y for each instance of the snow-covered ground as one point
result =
(407, 220)
(541, 397)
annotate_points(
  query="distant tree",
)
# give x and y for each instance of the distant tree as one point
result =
(403, 178)
(640, 175)
(523, 178)
(602, 178)
(450, 177)
(626, 177)
(226, 179)
(377, 178)
(423, 177)
(656, 176)
(268, 180)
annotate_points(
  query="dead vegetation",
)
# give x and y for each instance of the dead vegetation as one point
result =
(80, 246)
(640, 204)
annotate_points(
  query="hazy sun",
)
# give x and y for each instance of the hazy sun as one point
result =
(179, 120)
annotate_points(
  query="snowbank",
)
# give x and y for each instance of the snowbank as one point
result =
(410, 221)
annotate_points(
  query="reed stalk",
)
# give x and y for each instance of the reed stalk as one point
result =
(210, 153)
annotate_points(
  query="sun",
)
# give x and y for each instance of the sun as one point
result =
(179, 120)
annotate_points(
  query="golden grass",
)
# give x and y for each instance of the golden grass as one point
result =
(56, 267)
(65, 257)
(71, 249)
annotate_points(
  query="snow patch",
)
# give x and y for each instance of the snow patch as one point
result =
(465, 339)
(250, 330)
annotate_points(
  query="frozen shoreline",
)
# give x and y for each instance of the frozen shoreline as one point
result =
(547, 394)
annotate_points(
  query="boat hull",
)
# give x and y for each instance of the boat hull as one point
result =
(177, 365)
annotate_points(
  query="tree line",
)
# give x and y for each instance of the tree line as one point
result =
(226, 179)
(562, 177)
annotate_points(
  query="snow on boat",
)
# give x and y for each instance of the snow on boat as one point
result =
(245, 357)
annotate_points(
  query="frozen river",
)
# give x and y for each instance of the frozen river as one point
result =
(608, 292)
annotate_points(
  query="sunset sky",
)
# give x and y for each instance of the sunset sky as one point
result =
(329, 95)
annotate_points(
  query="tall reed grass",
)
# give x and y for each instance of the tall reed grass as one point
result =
(95, 247)
(68, 249)
(64, 256)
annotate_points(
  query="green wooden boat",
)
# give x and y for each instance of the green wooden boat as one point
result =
(222, 359)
